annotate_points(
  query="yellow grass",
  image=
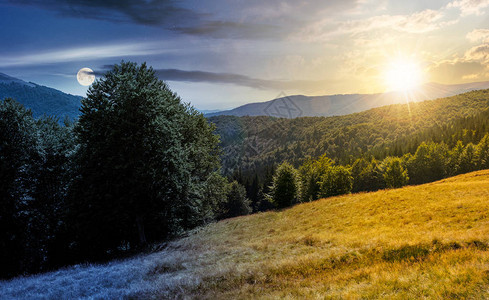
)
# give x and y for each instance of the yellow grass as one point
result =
(427, 241)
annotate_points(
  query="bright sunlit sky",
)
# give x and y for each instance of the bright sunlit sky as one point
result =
(221, 54)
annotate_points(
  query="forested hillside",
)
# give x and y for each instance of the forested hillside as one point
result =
(255, 143)
(40, 99)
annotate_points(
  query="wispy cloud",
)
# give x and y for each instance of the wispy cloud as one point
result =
(86, 53)
(416, 23)
(152, 12)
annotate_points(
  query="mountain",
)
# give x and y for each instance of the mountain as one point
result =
(337, 105)
(427, 241)
(255, 143)
(208, 111)
(40, 99)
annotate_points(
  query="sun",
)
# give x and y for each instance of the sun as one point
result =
(403, 75)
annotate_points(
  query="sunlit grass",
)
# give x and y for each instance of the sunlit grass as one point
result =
(421, 241)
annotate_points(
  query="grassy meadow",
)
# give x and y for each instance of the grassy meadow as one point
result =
(427, 241)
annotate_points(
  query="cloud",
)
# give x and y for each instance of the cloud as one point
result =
(456, 69)
(167, 14)
(152, 12)
(470, 7)
(227, 29)
(478, 35)
(220, 19)
(237, 79)
(85, 53)
(232, 78)
(478, 53)
(417, 23)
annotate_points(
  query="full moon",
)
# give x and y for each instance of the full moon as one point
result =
(85, 76)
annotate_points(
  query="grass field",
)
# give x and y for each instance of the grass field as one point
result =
(427, 241)
(420, 241)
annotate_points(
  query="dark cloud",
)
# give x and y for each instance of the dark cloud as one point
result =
(227, 29)
(246, 20)
(153, 12)
(163, 13)
(236, 79)
(231, 78)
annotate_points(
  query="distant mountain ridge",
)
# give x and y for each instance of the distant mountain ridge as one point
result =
(337, 105)
(41, 100)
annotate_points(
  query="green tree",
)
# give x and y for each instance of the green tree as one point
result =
(216, 191)
(468, 159)
(286, 186)
(429, 163)
(483, 152)
(237, 204)
(311, 172)
(454, 158)
(17, 150)
(367, 175)
(51, 179)
(395, 175)
(337, 181)
(142, 164)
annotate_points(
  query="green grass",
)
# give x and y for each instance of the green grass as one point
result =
(427, 241)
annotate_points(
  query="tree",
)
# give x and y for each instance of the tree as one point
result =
(395, 175)
(51, 179)
(468, 159)
(454, 158)
(143, 163)
(337, 181)
(286, 187)
(216, 191)
(483, 152)
(429, 163)
(237, 204)
(311, 173)
(17, 150)
(367, 175)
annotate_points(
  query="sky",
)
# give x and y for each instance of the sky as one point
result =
(225, 53)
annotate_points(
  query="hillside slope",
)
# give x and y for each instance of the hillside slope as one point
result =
(338, 105)
(255, 142)
(41, 100)
(416, 242)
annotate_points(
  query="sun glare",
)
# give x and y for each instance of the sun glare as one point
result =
(403, 75)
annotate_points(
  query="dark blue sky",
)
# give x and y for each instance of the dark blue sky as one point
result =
(221, 54)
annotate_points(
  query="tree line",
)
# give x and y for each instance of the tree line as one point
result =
(320, 178)
(138, 166)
